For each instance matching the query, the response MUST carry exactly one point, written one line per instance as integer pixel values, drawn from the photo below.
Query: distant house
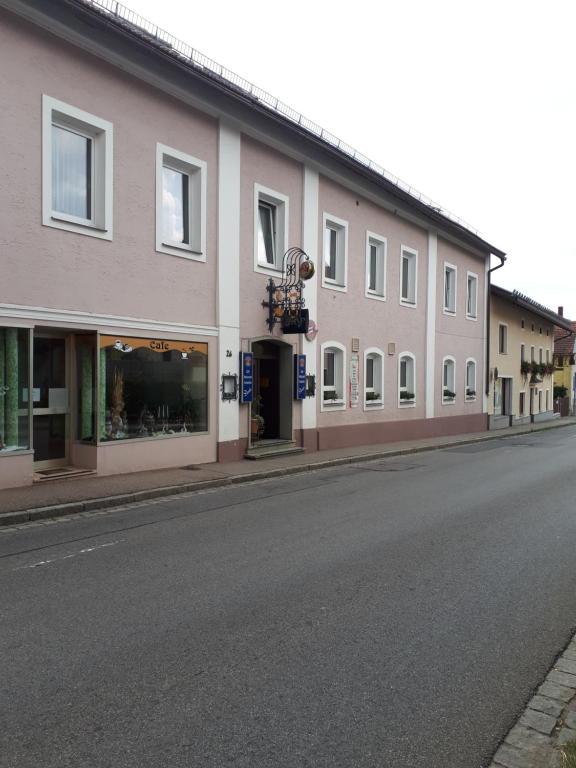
(521, 371)
(564, 360)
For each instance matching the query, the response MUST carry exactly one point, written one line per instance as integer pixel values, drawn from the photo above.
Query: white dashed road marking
(85, 551)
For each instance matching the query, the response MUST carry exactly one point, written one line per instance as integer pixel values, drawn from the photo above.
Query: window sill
(333, 405)
(79, 226)
(373, 404)
(267, 269)
(472, 317)
(181, 252)
(148, 438)
(450, 312)
(375, 295)
(470, 399)
(406, 403)
(333, 285)
(448, 401)
(408, 304)
(15, 452)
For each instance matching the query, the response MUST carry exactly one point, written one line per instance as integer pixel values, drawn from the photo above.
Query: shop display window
(152, 388)
(14, 389)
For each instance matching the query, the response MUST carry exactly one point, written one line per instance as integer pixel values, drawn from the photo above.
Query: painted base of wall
(545, 416)
(396, 431)
(16, 470)
(498, 422)
(517, 421)
(232, 450)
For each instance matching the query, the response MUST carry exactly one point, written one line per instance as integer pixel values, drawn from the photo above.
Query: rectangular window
(329, 377)
(14, 389)
(502, 339)
(375, 266)
(522, 405)
(471, 296)
(72, 169)
(449, 288)
(540, 356)
(335, 253)
(522, 353)
(408, 276)
(331, 253)
(270, 228)
(369, 373)
(152, 388)
(266, 233)
(406, 379)
(180, 204)
(548, 356)
(547, 399)
(86, 387)
(403, 373)
(76, 170)
(532, 354)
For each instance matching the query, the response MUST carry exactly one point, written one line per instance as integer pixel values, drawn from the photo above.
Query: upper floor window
(373, 378)
(76, 169)
(180, 204)
(472, 296)
(532, 354)
(449, 289)
(335, 253)
(522, 353)
(448, 380)
(502, 339)
(333, 367)
(270, 228)
(408, 276)
(406, 379)
(375, 266)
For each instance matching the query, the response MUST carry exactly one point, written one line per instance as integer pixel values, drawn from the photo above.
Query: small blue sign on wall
(299, 377)
(247, 368)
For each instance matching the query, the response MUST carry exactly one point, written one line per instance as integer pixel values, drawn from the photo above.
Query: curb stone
(19, 517)
(548, 722)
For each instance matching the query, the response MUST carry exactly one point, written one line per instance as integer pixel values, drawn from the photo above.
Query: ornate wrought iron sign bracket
(285, 303)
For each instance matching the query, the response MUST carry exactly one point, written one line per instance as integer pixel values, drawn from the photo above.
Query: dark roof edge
(435, 217)
(520, 300)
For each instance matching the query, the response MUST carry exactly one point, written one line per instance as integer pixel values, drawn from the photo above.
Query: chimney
(561, 311)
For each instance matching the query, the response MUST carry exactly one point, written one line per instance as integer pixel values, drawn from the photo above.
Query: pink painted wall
(376, 323)
(262, 165)
(456, 335)
(54, 268)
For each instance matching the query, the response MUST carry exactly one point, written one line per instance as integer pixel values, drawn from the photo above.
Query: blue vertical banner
(299, 377)
(247, 370)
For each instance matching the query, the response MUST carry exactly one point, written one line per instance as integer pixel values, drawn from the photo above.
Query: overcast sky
(471, 103)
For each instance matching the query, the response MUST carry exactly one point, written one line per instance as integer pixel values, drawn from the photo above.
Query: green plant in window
(372, 396)
(102, 396)
(330, 394)
(11, 388)
(449, 395)
(406, 395)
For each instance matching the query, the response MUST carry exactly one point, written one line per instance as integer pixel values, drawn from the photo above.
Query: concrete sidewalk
(62, 497)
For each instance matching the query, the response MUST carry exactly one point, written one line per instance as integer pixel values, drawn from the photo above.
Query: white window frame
(449, 400)
(197, 171)
(404, 249)
(474, 277)
(341, 226)
(540, 355)
(470, 398)
(505, 350)
(101, 132)
(522, 412)
(378, 379)
(282, 205)
(454, 269)
(339, 404)
(381, 243)
(407, 403)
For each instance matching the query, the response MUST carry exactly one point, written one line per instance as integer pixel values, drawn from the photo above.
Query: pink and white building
(147, 197)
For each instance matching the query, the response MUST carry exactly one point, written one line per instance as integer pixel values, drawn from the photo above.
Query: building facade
(565, 368)
(521, 374)
(147, 199)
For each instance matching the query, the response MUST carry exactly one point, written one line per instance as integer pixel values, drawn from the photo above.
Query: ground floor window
(522, 404)
(14, 388)
(152, 387)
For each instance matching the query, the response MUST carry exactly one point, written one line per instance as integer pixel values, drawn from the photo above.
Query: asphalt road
(396, 614)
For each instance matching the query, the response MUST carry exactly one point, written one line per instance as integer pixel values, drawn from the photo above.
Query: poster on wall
(246, 368)
(299, 377)
(354, 380)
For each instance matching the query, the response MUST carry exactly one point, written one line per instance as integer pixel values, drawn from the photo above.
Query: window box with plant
(407, 397)
(470, 394)
(448, 396)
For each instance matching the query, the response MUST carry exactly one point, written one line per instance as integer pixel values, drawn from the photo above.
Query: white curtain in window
(266, 234)
(71, 173)
(175, 206)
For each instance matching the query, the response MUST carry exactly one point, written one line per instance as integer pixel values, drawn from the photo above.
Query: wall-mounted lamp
(229, 386)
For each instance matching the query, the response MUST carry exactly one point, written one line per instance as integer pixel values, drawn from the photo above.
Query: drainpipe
(488, 303)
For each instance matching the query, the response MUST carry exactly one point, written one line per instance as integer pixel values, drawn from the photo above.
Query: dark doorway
(272, 406)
